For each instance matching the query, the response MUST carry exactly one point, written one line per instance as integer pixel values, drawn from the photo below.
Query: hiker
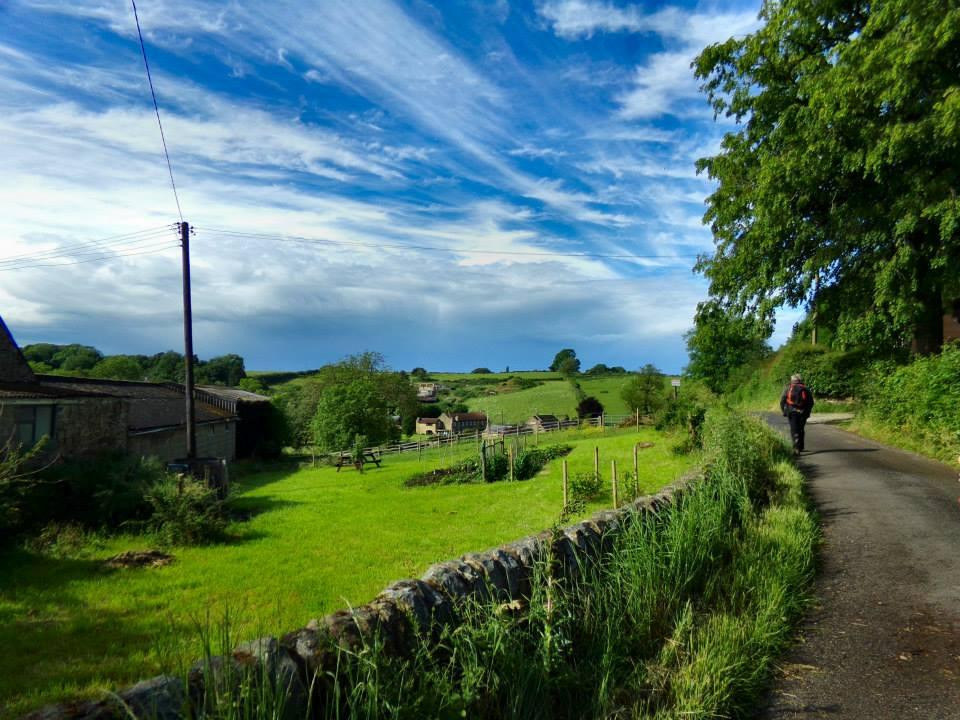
(796, 404)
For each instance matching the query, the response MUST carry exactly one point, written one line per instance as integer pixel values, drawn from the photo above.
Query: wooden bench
(346, 458)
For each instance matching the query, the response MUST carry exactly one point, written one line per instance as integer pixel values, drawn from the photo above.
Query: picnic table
(346, 458)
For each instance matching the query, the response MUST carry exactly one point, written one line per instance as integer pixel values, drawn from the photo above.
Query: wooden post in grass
(483, 462)
(602, 426)
(419, 451)
(566, 485)
(636, 470)
(613, 481)
(510, 462)
(536, 435)
(638, 419)
(596, 462)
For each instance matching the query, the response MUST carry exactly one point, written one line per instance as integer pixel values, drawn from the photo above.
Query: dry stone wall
(502, 574)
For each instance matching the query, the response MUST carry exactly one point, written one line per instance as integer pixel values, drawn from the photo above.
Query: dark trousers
(797, 421)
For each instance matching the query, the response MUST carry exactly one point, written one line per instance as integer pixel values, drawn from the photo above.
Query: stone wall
(503, 573)
(80, 428)
(213, 440)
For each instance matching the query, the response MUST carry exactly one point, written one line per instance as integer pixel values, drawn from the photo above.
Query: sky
(452, 184)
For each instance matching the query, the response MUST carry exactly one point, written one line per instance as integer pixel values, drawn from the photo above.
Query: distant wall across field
(503, 574)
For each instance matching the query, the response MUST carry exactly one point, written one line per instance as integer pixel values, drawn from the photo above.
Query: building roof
(545, 418)
(467, 416)
(38, 391)
(151, 405)
(428, 421)
(234, 394)
(14, 368)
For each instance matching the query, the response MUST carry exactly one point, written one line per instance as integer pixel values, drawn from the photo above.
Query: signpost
(676, 388)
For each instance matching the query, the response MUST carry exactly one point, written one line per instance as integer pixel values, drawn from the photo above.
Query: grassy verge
(306, 542)
(683, 619)
(944, 448)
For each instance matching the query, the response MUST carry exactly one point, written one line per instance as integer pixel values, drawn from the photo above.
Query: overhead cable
(149, 251)
(90, 246)
(156, 107)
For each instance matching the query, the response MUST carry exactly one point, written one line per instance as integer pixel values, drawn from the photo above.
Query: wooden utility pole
(188, 343)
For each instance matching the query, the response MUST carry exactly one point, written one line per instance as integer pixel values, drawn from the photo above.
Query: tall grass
(681, 619)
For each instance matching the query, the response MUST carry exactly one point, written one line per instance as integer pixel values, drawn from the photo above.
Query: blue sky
(346, 138)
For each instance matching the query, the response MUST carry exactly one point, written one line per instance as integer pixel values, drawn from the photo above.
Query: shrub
(585, 486)
(63, 540)
(922, 398)
(185, 512)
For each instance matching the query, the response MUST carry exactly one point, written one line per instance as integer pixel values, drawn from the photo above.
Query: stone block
(490, 566)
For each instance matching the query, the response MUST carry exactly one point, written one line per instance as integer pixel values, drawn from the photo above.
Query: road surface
(883, 637)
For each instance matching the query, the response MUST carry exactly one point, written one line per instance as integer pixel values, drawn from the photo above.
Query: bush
(185, 512)
(584, 487)
(922, 398)
(834, 374)
(63, 540)
(528, 463)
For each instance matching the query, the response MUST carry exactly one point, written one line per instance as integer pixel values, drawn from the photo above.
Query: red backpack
(798, 397)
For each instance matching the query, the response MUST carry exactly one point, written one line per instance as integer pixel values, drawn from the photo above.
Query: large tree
(645, 391)
(566, 362)
(723, 341)
(838, 188)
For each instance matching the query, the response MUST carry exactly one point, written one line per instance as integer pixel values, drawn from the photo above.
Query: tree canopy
(566, 362)
(723, 341)
(838, 189)
(645, 391)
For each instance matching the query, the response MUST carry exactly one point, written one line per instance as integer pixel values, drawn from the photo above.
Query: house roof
(151, 405)
(545, 418)
(234, 394)
(428, 421)
(38, 391)
(14, 367)
(469, 416)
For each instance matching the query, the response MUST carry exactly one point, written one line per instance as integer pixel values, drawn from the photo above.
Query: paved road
(883, 638)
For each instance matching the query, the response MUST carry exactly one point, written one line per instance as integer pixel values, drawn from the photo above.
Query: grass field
(554, 397)
(317, 540)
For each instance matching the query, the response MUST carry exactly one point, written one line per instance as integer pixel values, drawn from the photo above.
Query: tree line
(86, 361)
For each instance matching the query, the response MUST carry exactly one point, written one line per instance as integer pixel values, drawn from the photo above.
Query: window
(33, 422)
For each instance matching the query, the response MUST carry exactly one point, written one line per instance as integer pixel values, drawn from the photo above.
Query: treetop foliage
(566, 362)
(838, 189)
(85, 361)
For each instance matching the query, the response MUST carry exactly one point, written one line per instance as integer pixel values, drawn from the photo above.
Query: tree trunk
(928, 332)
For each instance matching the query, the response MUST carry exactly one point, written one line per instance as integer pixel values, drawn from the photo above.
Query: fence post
(510, 462)
(419, 451)
(483, 462)
(566, 502)
(636, 471)
(613, 482)
(638, 419)
(596, 462)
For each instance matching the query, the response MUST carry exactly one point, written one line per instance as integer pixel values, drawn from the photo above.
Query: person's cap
(796, 378)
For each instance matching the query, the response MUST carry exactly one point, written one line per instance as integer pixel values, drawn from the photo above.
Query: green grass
(318, 540)
(683, 619)
(554, 397)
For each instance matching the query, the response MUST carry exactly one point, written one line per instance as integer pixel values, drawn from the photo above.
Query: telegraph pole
(188, 344)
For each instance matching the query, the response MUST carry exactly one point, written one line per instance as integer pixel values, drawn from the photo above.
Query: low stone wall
(503, 574)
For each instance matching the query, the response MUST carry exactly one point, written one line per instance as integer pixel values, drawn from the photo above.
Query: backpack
(798, 397)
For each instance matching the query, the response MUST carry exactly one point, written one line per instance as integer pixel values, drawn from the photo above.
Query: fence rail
(495, 431)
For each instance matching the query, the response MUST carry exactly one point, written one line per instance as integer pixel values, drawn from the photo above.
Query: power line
(156, 108)
(165, 246)
(433, 248)
(91, 245)
(94, 252)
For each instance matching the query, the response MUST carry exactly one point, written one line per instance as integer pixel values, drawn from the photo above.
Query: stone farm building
(428, 426)
(540, 423)
(83, 417)
(457, 423)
